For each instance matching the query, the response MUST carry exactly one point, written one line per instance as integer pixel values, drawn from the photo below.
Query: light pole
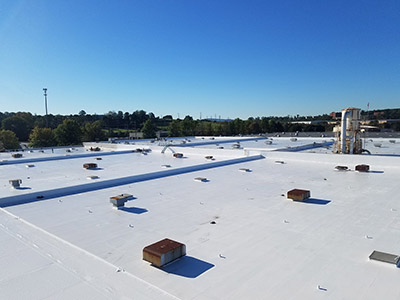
(45, 105)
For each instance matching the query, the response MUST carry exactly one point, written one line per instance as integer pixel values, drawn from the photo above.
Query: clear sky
(227, 58)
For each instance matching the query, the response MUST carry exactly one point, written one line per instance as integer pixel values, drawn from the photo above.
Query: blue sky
(227, 58)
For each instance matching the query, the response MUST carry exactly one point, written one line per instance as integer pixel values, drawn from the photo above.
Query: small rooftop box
(16, 155)
(15, 183)
(298, 195)
(90, 166)
(178, 155)
(163, 252)
(362, 168)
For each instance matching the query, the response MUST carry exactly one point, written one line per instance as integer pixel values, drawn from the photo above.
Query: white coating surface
(262, 245)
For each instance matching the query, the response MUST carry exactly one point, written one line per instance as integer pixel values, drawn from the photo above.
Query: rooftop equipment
(177, 155)
(30, 166)
(15, 183)
(119, 201)
(16, 155)
(385, 257)
(90, 166)
(348, 134)
(209, 157)
(298, 195)
(362, 168)
(342, 168)
(98, 158)
(200, 179)
(244, 170)
(94, 149)
(92, 177)
(163, 252)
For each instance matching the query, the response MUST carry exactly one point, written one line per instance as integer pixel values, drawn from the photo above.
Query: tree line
(61, 130)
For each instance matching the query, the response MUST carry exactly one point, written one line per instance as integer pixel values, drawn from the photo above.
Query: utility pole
(45, 105)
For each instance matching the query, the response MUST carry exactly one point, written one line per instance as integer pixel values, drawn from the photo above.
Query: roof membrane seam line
(304, 147)
(51, 158)
(86, 252)
(77, 189)
(35, 248)
(218, 142)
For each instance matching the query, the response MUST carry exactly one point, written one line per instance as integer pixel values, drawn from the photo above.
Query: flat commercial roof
(244, 239)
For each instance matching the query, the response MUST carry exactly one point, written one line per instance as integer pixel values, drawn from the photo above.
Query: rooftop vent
(209, 157)
(90, 166)
(200, 179)
(98, 158)
(342, 168)
(298, 195)
(94, 149)
(268, 142)
(244, 170)
(163, 252)
(92, 177)
(385, 257)
(293, 139)
(362, 168)
(15, 183)
(119, 201)
(392, 141)
(378, 145)
(177, 155)
(16, 155)
(166, 166)
(30, 166)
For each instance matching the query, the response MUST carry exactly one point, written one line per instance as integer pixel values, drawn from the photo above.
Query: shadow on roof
(188, 266)
(316, 201)
(134, 210)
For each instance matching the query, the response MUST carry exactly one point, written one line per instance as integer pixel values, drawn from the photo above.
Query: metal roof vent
(163, 252)
(92, 177)
(165, 166)
(244, 170)
(15, 183)
(385, 257)
(119, 201)
(342, 168)
(177, 155)
(16, 155)
(30, 166)
(201, 179)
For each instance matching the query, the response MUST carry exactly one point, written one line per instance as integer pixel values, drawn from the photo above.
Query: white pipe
(345, 114)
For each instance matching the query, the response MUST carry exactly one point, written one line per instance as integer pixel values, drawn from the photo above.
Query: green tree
(18, 125)
(68, 133)
(174, 128)
(93, 132)
(187, 126)
(149, 129)
(8, 139)
(42, 137)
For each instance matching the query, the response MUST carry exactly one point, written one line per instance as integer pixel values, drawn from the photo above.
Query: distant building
(336, 115)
